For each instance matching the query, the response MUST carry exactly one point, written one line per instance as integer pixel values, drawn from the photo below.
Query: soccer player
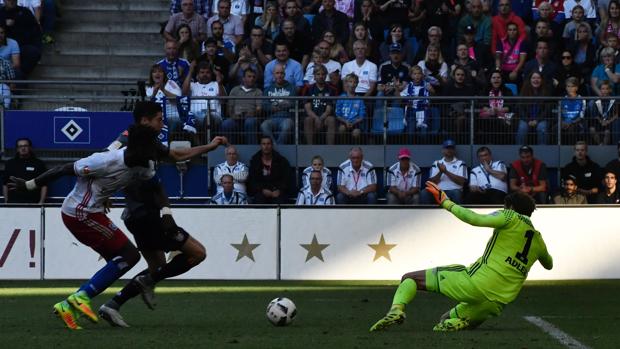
(484, 288)
(83, 212)
(148, 217)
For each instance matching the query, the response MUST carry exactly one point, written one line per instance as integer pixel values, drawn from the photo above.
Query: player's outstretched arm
(16, 183)
(545, 258)
(188, 153)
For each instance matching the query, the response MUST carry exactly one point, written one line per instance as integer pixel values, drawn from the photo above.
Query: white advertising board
(20, 243)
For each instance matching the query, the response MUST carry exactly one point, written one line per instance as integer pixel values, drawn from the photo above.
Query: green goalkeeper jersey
(510, 252)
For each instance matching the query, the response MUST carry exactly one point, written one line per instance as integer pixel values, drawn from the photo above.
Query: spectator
(495, 122)
(396, 36)
(444, 14)
(511, 54)
(365, 70)
(269, 175)
(187, 17)
(458, 110)
(394, 11)
(449, 173)
(568, 69)
(260, 46)
(572, 113)
(175, 68)
(164, 92)
(6, 73)
(394, 74)
(357, 180)
(330, 19)
(369, 15)
(361, 32)
(298, 45)
(200, 6)
(474, 74)
(269, 20)
(417, 18)
(543, 31)
(550, 11)
(233, 26)
(213, 59)
(243, 114)
(22, 26)
(583, 49)
(529, 175)
(314, 193)
(534, 115)
(278, 118)
(9, 49)
(246, 60)
(500, 24)
(403, 180)
(476, 51)
(231, 167)
(336, 50)
(189, 49)
(587, 173)
(569, 194)
(320, 55)
(351, 111)
(293, 12)
(208, 83)
(611, 22)
(228, 195)
(418, 113)
(317, 164)
(238, 8)
(577, 17)
(477, 20)
(319, 112)
(27, 166)
(434, 37)
(488, 182)
(434, 67)
(542, 64)
(603, 113)
(610, 196)
(293, 71)
(614, 165)
(586, 5)
(614, 43)
(607, 70)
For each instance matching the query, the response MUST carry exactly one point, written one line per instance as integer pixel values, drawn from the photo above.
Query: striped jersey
(236, 198)
(325, 172)
(404, 181)
(455, 166)
(307, 197)
(239, 171)
(356, 180)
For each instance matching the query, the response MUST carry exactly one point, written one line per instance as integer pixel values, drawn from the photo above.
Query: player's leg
(466, 316)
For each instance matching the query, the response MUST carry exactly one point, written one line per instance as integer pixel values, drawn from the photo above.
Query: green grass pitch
(231, 314)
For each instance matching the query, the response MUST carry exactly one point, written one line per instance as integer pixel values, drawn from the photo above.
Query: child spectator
(577, 17)
(417, 111)
(603, 113)
(572, 111)
(351, 111)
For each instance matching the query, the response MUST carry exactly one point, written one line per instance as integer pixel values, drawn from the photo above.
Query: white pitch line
(555, 332)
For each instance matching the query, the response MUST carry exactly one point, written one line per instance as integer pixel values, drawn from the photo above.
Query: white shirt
(455, 166)
(367, 74)
(236, 198)
(323, 198)
(404, 181)
(325, 172)
(99, 176)
(588, 9)
(170, 86)
(481, 178)
(239, 171)
(237, 7)
(443, 72)
(211, 89)
(359, 180)
(331, 67)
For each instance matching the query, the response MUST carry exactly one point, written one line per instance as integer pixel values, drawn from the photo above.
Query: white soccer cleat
(112, 316)
(147, 290)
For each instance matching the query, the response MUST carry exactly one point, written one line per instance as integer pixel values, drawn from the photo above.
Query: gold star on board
(314, 249)
(245, 249)
(382, 249)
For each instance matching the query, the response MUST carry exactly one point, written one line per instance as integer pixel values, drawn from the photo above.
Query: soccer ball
(281, 311)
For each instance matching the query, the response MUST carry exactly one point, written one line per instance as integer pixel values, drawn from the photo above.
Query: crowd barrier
(339, 243)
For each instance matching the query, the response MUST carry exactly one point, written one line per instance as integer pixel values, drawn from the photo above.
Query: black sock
(130, 290)
(177, 266)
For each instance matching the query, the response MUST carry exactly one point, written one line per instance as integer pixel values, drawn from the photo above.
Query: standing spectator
(569, 194)
(614, 165)
(583, 49)
(330, 19)
(314, 193)
(351, 111)
(269, 20)
(572, 113)
(208, 84)
(607, 70)
(403, 180)
(293, 71)
(231, 167)
(228, 195)
(27, 166)
(233, 26)
(500, 23)
(477, 20)
(365, 70)
(542, 64)
(586, 172)
(299, 45)
(243, 114)
(610, 195)
(269, 175)
(396, 36)
(278, 110)
(488, 182)
(511, 54)
(534, 115)
(188, 17)
(603, 113)
(317, 164)
(22, 26)
(189, 48)
(420, 116)
(357, 180)
(319, 112)
(175, 68)
(449, 173)
(529, 175)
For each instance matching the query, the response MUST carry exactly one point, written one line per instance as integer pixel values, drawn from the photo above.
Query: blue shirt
(175, 70)
(9, 49)
(292, 73)
(350, 109)
(599, 73)
(573, 109)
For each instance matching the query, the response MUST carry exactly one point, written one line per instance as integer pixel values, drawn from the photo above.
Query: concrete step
(118, 50)
(78, 15)
(110, 39)
(50, 72)
(118, 5)
(109, 27)
(99, 60)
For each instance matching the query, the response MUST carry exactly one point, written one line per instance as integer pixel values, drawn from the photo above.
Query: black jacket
(278, 178)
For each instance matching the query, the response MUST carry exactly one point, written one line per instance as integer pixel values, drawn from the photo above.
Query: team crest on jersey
(112, 226)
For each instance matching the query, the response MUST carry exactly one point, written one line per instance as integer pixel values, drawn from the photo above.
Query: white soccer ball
(281, 311)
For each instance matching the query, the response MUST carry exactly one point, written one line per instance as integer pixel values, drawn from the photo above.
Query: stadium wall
(350, 243)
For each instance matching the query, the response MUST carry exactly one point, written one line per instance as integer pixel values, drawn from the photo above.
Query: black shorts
(150, 235)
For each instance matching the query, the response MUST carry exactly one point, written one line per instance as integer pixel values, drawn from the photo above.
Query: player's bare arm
(50, 175)
(188, 153)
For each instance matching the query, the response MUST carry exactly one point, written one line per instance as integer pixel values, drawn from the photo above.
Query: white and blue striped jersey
(359, 180)
(325, 172)
(236, 198)
(239, 171)
(481, 178)
(411, 178)
(455, 166)
(323, 198)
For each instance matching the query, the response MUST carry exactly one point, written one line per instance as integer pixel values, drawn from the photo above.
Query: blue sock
(102, 279)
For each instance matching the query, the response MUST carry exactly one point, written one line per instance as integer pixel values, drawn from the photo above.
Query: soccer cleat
(451, 325)
(394, 316)
(66, 313)
(81, 302)
(112, 316)
(147, 290)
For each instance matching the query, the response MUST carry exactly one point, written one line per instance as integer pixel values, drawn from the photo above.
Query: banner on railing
(65, 129)
(20, 243)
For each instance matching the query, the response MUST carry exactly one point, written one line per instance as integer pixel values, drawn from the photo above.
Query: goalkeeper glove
(438, 194)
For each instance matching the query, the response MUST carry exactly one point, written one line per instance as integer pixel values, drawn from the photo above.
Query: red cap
(404, 153)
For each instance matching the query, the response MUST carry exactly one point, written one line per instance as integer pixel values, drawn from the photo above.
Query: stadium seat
(309, 17)
(513, 88)
(395, 120)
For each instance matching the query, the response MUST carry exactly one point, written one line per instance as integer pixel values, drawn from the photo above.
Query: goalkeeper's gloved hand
(439, 195)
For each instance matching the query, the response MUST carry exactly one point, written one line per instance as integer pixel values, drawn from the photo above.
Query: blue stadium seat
(309, 17)
(395, 120)
(513, 88)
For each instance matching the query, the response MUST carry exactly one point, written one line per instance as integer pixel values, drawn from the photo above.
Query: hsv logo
(72, 130)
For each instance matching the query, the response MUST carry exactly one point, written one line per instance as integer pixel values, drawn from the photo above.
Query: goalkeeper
(483, 289)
